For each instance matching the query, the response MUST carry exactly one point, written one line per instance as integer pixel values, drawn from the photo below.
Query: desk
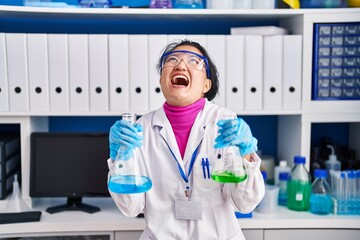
(110, 222)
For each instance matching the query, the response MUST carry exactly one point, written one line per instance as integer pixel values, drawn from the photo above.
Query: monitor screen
(71, 165)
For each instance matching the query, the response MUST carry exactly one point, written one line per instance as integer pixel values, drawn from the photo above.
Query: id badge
(188, 210)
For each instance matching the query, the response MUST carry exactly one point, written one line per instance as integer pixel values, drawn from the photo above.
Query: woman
(184, 202)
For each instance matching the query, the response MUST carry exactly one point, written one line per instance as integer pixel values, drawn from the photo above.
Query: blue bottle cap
(284, 176)
(299, 159)
(320, 173)
(351, 174)
(264, 174)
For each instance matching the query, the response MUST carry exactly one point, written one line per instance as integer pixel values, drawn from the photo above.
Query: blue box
(336, 61)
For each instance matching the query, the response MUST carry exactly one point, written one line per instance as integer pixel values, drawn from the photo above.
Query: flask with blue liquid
(126, 176)
(320, 198)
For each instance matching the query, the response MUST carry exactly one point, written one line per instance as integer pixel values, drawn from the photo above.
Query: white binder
(253, 72)
(59, 72)
(17, 71)
(38, 72)
(138, 60)
(156, 44)
(4, 89)
(175, 37)
(98, 72)
(273, 72)
(235, 72)
(119, 89)
(200, 38)
(216, 47)
(292, 69)
(79, 72)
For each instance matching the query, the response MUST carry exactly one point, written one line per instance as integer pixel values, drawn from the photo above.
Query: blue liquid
(282, 200)
(320, 204)
(128, 184)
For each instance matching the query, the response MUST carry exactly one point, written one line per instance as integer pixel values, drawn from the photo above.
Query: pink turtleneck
(182, 119)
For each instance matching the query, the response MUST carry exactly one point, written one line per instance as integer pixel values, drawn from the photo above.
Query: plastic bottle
(283, 179)
(126, 177)
(299, 186)
(268, 204)
(320, 198)
(332, 163)
(281, 168)
(15, 202)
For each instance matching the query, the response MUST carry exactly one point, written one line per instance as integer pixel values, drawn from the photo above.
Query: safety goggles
(192, 60)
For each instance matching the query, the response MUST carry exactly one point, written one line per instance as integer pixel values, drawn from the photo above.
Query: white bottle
(332, 163)
(281, 168)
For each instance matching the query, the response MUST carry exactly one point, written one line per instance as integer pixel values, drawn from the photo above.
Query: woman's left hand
(236, 132)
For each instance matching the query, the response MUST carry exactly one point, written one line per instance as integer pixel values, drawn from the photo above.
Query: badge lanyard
(183, 175)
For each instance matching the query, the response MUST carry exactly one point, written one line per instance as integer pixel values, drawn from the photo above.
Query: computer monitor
(71, 165)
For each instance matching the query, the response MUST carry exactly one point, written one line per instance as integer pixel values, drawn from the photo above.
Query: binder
(119, 89)
(201, 39)
(98, 72)
(17, 71)
(253, 72)
(216, 48)
(138, 74)
(235, 72)
(38, 72)
(156, 44)
(59, 72)
(292, 72)
(175, 37)
(4, 89)
(273, 72)
(79, 72)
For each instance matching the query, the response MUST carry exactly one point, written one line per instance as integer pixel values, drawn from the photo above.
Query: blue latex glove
(123, 138)
(236, 132)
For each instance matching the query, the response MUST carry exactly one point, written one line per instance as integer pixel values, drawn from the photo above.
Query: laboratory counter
(110, 220)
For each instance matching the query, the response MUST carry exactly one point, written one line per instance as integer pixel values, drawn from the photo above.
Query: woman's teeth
(180, 80)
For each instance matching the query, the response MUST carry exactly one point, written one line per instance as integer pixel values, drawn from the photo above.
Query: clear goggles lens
(191, 59)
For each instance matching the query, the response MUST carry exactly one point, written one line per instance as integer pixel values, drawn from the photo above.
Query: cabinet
(293, 127)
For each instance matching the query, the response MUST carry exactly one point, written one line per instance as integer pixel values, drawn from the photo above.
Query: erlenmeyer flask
(229, 167)
(126, 177)
(188, 4)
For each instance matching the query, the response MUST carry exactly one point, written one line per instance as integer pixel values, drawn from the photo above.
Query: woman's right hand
(123, 138)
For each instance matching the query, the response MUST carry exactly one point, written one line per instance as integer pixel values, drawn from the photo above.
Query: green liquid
(298, 195)
(227, 177)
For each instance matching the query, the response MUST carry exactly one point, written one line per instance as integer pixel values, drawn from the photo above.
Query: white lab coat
(219, 201)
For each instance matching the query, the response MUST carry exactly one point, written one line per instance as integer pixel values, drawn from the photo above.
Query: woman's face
(183, 85)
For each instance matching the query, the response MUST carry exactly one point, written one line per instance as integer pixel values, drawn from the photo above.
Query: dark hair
(213, 76)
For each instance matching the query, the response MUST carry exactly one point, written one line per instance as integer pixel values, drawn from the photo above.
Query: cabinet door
(253, 234)
(318, 234)
(127, 235)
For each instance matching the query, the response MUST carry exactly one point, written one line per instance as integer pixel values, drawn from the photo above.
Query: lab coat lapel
(168, 135)
(196, 135)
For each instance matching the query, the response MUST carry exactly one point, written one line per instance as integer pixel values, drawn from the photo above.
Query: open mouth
(180, 80)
